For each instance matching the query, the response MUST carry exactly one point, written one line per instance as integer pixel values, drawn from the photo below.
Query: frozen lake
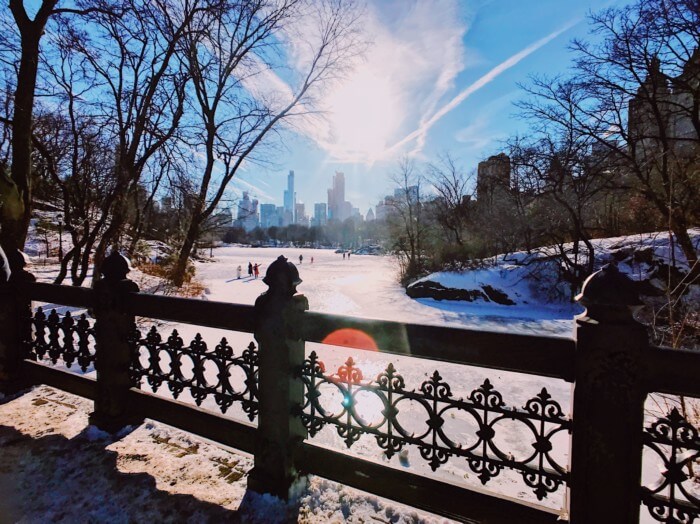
(366, 286)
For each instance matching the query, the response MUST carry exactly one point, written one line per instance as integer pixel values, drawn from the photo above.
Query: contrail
(478, 84)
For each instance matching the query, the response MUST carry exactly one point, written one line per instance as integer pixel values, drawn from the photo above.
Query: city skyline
(252, 213)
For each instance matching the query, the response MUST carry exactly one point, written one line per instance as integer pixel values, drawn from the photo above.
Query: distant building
(289, 201)
(383, 208)
(370, 215)
(300, 214)
(320, 218)
(676, 98)
(492, 179)
(409, 194)
(269, 216)
(284, 217)
(338, 208)
(220, 220)
(247, 217)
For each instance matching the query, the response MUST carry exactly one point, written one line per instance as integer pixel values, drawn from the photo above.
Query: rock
(435, 290)
(498, 296)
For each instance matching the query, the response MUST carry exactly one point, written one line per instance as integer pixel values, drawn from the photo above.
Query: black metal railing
(200, 370)
(292, 396)
(61, 338)
(484, 407)
(676, 444)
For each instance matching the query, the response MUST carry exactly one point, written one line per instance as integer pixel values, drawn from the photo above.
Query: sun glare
(364, 114)
(351, 338)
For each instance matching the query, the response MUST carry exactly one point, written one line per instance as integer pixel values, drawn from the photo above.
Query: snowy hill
(523, 280)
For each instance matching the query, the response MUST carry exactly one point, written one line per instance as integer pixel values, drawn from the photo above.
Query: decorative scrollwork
(61, 338)
(348, 373)
(541, 417)
(189, 368)
(677, 442)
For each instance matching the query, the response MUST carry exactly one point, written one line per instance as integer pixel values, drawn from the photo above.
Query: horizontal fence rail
(223, 315)
(293, 397)
(673, 371)
(544, 356)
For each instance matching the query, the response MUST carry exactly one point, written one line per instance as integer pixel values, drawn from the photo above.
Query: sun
(363, 114)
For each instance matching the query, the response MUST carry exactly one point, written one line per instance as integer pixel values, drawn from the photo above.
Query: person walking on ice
(301, 258)
(250, 270)
(239, 270)
(256, 270)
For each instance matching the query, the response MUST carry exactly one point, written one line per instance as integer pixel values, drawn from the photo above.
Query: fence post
(113, 327)
(608, 402)
(281, 352)
(15, 312)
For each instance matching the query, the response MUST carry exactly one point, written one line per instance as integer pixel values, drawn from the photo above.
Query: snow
(367, 286)
(57, 468)
(531, 280)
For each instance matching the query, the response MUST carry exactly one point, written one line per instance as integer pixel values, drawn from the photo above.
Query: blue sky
(439, 76)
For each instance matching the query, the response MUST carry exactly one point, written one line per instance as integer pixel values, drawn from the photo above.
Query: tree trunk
(16, 223)
(63, 271)
(180, 267)
(686, 245)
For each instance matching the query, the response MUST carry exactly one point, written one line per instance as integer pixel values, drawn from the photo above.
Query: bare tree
(139, 90)
(452, 206)
(72, 156)
(407, 220)
(570, 176)
(230, 62)
(636, 93)
(17, 197)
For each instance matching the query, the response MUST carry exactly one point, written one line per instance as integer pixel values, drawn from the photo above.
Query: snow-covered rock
(527, 279)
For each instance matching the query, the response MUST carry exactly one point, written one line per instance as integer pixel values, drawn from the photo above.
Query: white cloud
(420, 134)
(415, 55)
(416, 52)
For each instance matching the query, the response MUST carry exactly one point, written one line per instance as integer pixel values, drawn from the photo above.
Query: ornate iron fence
(61, 338)
(188, 365)
(285, 390)
(676, 443)
(541, 415)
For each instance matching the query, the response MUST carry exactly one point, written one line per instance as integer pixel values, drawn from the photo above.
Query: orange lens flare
(351, 338)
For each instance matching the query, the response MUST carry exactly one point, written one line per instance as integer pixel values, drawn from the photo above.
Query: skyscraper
(269, 216)
(300, 214)
(247, 217)
(289, 200)
(320, 214)
(338, 208)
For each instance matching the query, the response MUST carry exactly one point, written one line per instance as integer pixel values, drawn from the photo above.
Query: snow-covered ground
(366, 286)
(533, 282)
(55, 468)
